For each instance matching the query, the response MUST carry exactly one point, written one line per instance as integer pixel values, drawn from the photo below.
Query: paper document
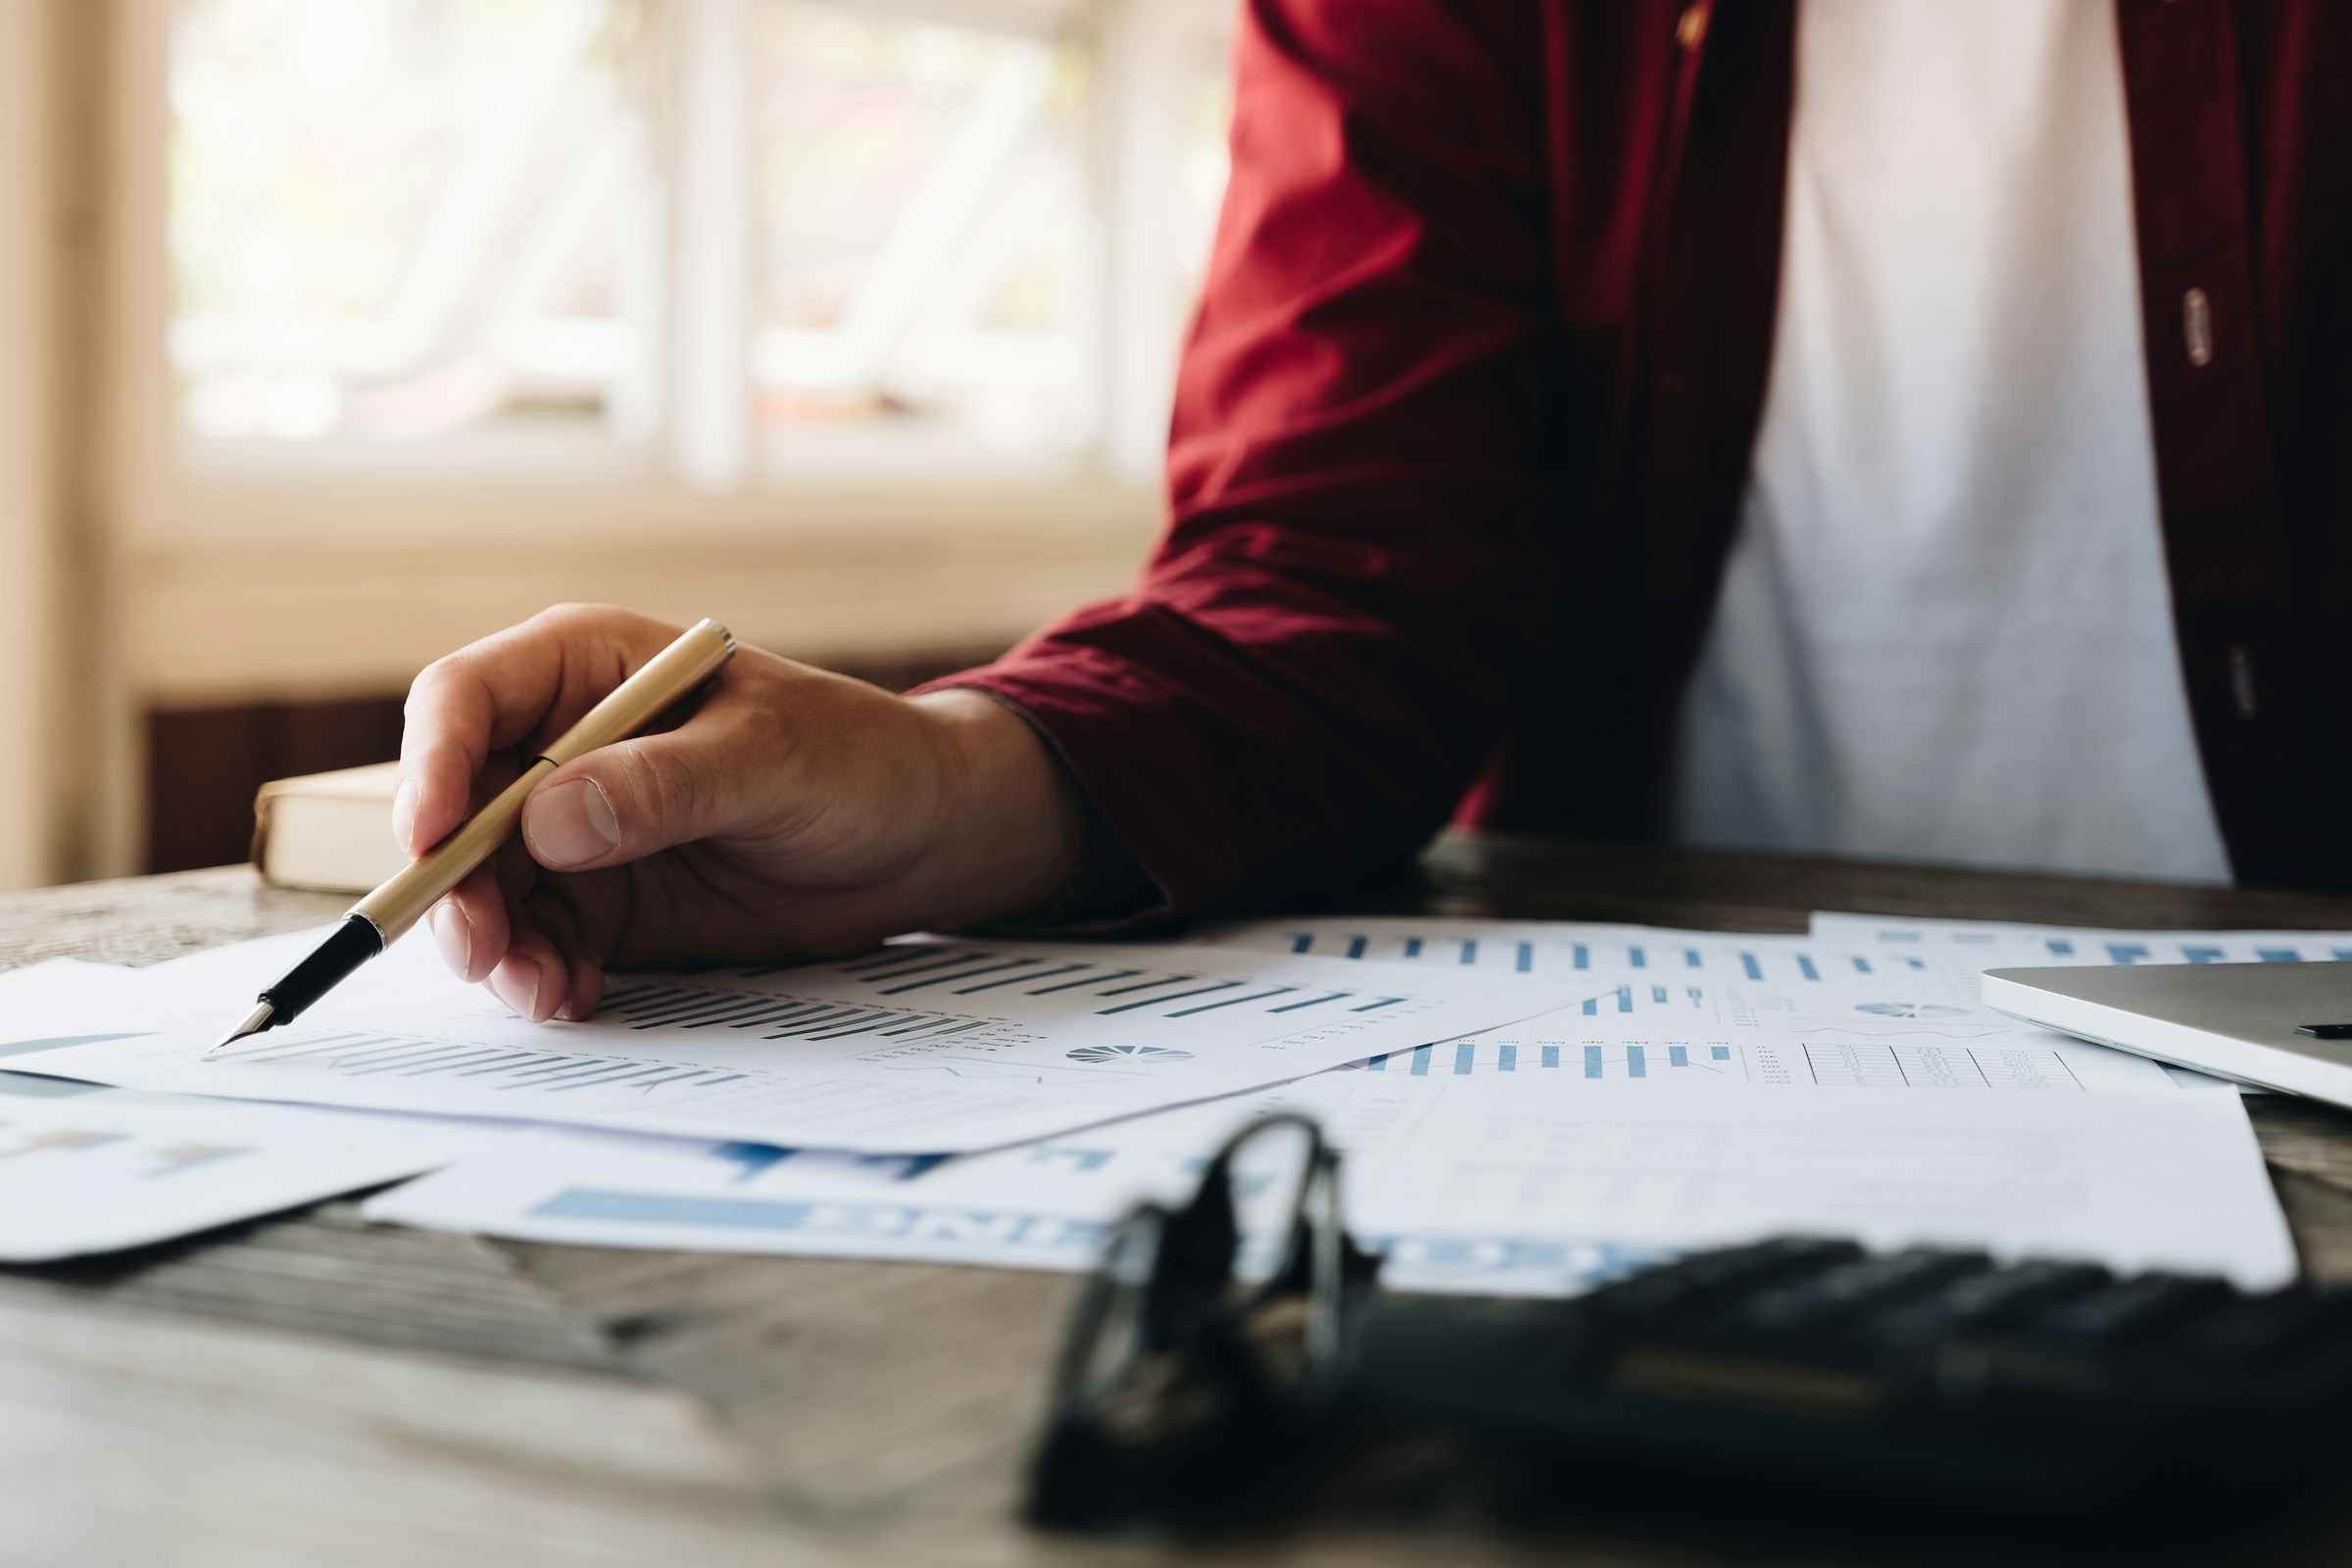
(1976, 945)
(1577, 951)
(1705, 1010)
(82, 1174)
(914, 1048)
(1992, 945)
(1463, 1184)
(86, 1170)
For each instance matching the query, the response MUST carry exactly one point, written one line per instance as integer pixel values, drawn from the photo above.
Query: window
(719, 244)
(393, 221)
(852, 323)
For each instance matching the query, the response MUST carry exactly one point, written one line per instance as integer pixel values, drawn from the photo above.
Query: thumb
(621, 803)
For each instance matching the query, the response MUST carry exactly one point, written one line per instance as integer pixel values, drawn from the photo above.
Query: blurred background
(335, 334)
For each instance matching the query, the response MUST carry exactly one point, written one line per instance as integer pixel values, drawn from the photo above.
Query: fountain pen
(384, 917)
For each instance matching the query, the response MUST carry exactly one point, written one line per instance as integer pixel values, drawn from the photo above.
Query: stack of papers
(1525, 1108)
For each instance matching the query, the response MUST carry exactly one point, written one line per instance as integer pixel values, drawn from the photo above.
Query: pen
(384, 917)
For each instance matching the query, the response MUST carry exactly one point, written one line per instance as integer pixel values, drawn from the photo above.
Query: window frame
(180, 502)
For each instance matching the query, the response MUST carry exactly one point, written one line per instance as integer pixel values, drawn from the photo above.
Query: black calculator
(2044, 1383)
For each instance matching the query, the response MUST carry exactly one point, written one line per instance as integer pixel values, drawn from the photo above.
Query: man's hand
(790, 813)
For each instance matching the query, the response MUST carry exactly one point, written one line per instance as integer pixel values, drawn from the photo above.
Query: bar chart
(1465, 1059)
(359, 1053)
(914, 1048)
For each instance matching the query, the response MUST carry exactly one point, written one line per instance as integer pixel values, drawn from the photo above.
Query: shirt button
(2196, 326)
(2241, 682)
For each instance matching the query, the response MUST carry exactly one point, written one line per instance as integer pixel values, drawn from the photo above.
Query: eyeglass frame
(1178, 1267)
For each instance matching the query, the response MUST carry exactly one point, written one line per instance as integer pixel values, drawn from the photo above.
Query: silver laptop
(2285, 1026)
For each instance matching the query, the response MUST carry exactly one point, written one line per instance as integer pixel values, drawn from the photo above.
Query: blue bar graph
(1356, 946)
(2061, 947)
(1526, 957)
(1754, 970)
(1861, 964)
(1583, 955)
(2277, 955)
(1420, 1061)
(1804, 966)
(2125, 952)
(1640, 959)
(1551, 1055)
(1470, 950)
(1720, 1053)
(1591, 1061)
(1678, 1056)
(1636, 1062)
(1461, 1059)
(1506, 1059)
(1413, 946)
(2201, 955)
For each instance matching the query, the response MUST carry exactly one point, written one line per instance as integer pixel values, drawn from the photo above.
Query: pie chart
(1911, 1010)
(1140, 1055)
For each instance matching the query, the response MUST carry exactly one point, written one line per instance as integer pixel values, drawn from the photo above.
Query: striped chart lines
(946, 976)
(1463, 1058)
(357, 1054)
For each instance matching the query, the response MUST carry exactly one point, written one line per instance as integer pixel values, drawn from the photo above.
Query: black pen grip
(355, 942)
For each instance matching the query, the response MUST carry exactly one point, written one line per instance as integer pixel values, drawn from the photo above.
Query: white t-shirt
(1946, 630)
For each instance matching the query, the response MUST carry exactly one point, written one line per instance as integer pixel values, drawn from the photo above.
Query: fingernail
(403, 812)
(454, 931)
(572, 824)
(517, 983)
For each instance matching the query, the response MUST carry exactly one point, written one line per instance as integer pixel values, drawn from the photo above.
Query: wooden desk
(313, 1389)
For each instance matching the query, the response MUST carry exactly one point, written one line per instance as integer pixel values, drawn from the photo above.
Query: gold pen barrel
(628, 707)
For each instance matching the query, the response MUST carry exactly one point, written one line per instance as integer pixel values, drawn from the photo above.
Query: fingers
(550, 970)
(533, 978)
(630, 800)
(499, 692)
(469, 926)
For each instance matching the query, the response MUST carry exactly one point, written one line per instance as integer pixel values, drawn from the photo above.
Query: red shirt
(1465, 419)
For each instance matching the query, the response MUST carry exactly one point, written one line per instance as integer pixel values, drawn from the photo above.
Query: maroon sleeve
(1360, 574)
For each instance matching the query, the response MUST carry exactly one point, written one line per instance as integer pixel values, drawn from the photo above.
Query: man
(1887, 426)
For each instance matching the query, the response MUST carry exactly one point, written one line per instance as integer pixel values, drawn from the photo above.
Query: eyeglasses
(1205, 1351)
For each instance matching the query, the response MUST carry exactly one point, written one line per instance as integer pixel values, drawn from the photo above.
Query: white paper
(1464, 1185)
(87, 1169)
(94, 1174)
(1976, 945)
(1578, 951)
(917, 1048)
(1990, 943)
(1707, 1010)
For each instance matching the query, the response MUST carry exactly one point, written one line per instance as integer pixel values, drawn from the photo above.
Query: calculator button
(1680, 1286)
(2131, 1308)
(1860, 1286)
(1995, 1295)
(2268, 1329)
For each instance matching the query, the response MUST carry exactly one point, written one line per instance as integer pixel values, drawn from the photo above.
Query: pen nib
(255, 1022)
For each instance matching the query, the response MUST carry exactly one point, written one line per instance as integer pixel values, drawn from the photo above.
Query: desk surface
(313, 1389)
